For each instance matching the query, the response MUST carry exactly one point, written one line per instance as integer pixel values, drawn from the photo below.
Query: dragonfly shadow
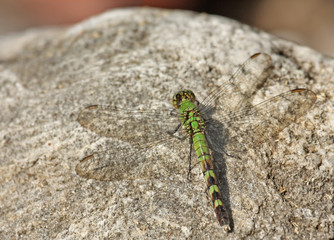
(217, 136)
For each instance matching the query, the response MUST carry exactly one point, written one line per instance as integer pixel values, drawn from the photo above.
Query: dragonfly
(221, 123)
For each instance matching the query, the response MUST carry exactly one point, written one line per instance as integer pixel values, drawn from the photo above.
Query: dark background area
(308, 22)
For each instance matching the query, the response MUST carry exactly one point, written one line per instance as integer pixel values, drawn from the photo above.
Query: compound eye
(183, 95)
(190, 95)
(177, 100)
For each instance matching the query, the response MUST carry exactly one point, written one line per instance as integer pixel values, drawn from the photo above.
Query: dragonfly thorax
(184, 95)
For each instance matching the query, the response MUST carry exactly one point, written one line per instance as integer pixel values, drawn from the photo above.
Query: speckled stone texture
(139, 58)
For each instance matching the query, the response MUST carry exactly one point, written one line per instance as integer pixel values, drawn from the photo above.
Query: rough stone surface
(141, 57)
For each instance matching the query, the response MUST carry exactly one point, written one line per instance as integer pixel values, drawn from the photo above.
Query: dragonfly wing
(235, 92)
(217, 135)
(257, 124)
(131, 162)
(136, 126)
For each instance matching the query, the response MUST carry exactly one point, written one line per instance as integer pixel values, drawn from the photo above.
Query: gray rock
(139, 58)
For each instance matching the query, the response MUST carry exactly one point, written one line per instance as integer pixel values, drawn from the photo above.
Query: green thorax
(190, 116)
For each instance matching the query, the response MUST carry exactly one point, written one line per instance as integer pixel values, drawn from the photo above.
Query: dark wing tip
(83, 112)
(306, 92)
(80, 169)
(298, 90)
(255, 55)
(86, 158)
(91, 106)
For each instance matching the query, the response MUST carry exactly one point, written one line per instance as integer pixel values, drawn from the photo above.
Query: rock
(139, 58)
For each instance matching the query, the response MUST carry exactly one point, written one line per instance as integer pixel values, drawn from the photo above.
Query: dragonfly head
(181, 96)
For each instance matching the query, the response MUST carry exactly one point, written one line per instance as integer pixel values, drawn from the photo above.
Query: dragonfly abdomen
(205, 159)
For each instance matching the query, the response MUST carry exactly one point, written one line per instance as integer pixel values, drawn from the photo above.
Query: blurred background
(308, 22)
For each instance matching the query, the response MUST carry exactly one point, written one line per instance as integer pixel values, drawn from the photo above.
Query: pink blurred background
(309, 22)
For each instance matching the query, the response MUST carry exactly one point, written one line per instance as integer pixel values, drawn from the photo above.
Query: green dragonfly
(221, 123)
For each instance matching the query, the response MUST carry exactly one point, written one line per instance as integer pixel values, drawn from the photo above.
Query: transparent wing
(134, 126)
(235, 93)
(255, 124)
(132, 162)
(146, 131)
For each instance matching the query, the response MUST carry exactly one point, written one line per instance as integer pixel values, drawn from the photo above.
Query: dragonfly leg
(189, 161)
(175, 130)
(171, 133)
(190, 167)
